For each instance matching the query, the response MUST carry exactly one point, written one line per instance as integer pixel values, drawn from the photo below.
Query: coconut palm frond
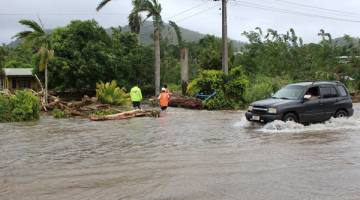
(177, 32)
(135, 22)
(33, 25)
(102, 4)
(22, 35)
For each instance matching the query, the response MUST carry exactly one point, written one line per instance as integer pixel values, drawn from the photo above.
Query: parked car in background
(305, 102)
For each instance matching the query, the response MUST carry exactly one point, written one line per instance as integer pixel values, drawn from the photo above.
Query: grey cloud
(59, 13)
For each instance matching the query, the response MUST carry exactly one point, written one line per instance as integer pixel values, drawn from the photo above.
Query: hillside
(147, 30)
(342, 42)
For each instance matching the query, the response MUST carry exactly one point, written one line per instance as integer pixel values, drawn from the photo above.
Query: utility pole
(225, 53)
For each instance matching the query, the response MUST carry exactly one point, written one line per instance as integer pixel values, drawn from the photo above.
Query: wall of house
(16, 83)
(3, 82)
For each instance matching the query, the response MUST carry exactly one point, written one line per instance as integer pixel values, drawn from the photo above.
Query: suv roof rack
(307, 81)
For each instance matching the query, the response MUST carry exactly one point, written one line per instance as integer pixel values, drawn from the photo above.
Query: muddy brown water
(184, 154)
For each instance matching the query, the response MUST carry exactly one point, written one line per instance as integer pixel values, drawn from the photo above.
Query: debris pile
(186, 102)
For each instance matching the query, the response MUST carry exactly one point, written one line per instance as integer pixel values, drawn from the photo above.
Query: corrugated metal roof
(18, 71)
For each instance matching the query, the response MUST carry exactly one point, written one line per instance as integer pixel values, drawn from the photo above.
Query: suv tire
(290, 117)
(340, 114)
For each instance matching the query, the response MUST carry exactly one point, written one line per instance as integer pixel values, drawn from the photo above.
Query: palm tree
(153, 10)
(183, 57)
(135, 20)
(38, 38)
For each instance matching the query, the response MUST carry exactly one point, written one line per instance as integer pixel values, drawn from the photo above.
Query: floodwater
(185, 154)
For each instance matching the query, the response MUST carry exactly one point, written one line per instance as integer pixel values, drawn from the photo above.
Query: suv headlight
(250, 108)
(272, 110)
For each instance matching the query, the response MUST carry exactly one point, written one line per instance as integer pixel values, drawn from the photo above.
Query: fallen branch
(127, 115)
(42, 97)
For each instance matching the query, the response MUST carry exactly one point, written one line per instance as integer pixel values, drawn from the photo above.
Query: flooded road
(184, 154)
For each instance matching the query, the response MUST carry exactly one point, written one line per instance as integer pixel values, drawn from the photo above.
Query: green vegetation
(57, 113)
(229, 89)
(153, 9)
(37, 38)
(270, 61)
(87, 54)
(5, 109)
(105, 112)
(110, 93)
(23, 106)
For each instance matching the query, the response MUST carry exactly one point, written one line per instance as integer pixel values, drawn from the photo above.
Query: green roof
(18, 71)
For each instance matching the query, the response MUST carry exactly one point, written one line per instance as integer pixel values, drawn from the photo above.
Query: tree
(86, 54)
(183, 57)
(153, 10)
(20, 56)
(3, 55)
(135, 20)
(40, 40)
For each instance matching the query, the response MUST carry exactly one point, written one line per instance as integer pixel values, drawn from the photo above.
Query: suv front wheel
(290, 117)
(341, 114)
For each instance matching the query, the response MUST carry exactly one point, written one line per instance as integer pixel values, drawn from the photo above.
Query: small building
(18, 78)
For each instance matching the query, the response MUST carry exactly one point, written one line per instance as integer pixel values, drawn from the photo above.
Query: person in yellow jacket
(164, 98)
(136, 96)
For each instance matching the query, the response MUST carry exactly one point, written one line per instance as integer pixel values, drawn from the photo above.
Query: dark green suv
(304, 102)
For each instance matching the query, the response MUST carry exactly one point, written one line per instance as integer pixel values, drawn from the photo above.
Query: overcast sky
(336, 17)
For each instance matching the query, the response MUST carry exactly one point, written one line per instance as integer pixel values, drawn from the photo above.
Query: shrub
(25, 106)
(174, 88)
(110, 93)
(262, 87)
(5, 109)
(219, 101)
(207, 82)
(229, 88)
(57, 113)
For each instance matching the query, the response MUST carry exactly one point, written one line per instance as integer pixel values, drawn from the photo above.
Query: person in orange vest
(164, 98)
(167, 90)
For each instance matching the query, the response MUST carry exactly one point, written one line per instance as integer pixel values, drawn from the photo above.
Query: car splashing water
(185, 154)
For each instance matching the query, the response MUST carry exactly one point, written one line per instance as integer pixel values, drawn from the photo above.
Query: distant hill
(147, 30)
(168, 32)
(14, 43)
(342, 42)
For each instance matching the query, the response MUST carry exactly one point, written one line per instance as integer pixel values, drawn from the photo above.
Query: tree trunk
(157, 59)
(127, 115)
(225, 64)
(46, 85)
(184, 62)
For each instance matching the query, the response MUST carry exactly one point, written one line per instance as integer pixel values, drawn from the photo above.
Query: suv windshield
(292, 92)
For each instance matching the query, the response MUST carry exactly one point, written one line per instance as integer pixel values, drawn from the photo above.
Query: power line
(285, 11)
(197, 13)
(187, 10)
(184, 11)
